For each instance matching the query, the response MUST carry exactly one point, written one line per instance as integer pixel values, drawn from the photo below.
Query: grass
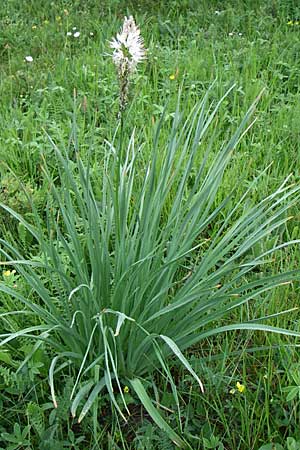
(252, 44)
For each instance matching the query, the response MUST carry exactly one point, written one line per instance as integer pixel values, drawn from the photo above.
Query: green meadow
(149, 260)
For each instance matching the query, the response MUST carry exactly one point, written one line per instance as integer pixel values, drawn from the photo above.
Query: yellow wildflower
(173, 76)
(34, 27)
(8, 273)
(290, 22)
(126, 389)
(240, 387)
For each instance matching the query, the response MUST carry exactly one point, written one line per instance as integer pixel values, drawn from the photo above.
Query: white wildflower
(69, 33)
(77, 34)
(28, 59)
(128, 47)
(128, 51)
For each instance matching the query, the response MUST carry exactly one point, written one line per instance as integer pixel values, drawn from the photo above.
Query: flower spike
(128, 51)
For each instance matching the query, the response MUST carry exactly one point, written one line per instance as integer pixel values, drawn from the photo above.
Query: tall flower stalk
(128, 51)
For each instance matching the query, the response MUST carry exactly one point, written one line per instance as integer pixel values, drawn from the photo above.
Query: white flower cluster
(128, 47)
(128, 51)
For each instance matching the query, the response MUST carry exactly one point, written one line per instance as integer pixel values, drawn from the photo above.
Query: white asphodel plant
(128, 51)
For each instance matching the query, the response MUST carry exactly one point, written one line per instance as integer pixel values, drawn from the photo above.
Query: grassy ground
(254, 44)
